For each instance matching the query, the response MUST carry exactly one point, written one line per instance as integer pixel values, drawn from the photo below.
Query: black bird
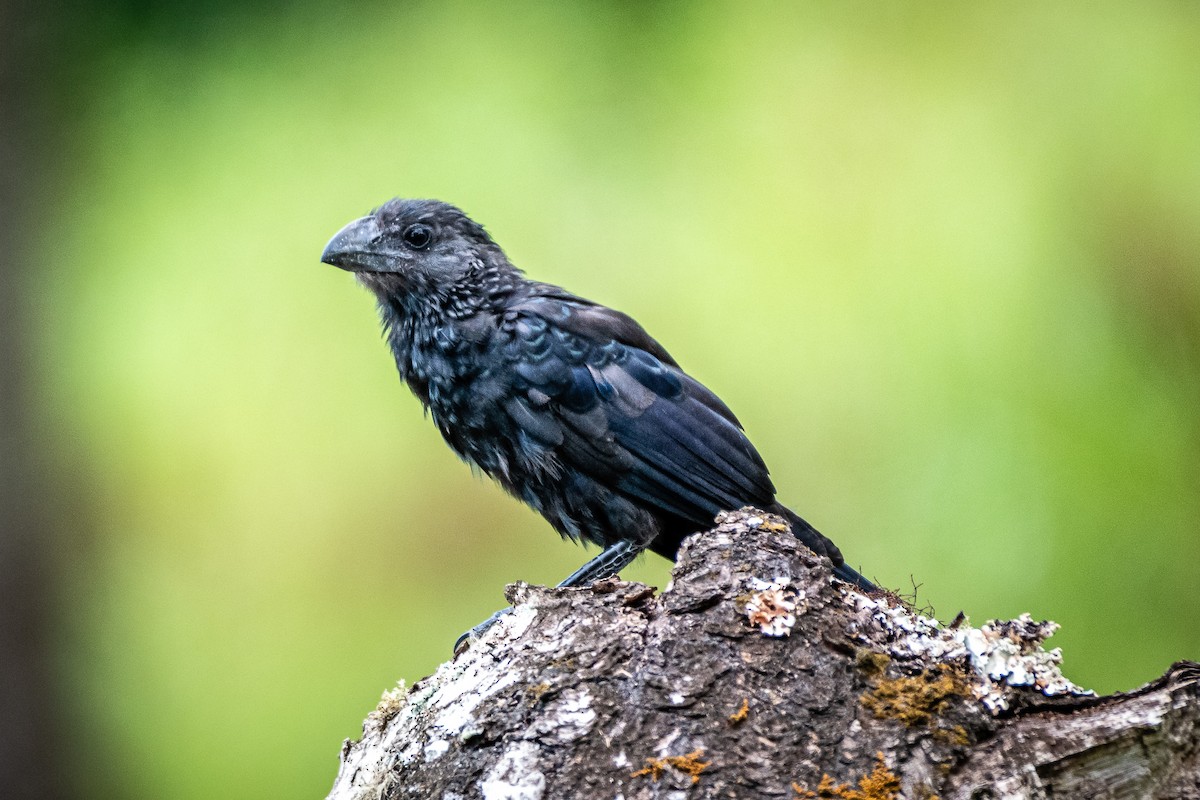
(569, 405)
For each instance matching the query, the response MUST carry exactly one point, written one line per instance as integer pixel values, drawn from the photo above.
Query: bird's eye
(418, 236)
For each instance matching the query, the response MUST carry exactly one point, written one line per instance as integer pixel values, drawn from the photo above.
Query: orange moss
(739, 716)
(688, 765)
(870, 662)
(880, 784)
(917, 699)
(955, 737)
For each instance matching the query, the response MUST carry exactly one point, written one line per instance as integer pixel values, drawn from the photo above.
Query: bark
(755, 675)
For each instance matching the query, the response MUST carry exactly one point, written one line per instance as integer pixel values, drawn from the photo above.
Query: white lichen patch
(771, 606)
(1011, 651)
(457, 697)
(436, 749)
(1001, 654)
(568, 717)
(738, 523)
(424, 723)
(516, 775)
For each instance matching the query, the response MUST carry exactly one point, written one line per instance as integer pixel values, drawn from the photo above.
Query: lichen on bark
(752, 673)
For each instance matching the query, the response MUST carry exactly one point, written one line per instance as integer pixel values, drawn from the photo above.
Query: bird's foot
(473, 635)
(606, 564)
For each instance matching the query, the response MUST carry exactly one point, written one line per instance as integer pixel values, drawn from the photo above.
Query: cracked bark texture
(754, 674)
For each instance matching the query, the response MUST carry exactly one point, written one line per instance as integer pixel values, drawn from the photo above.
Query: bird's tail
(852, 576)
(818, 543)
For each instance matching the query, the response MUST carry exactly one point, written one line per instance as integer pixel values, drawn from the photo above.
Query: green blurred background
(943, 260)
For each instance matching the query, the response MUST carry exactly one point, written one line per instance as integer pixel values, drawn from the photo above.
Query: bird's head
(413, 246)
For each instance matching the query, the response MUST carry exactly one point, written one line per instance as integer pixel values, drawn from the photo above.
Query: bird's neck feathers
(484, 286)
(420, 320)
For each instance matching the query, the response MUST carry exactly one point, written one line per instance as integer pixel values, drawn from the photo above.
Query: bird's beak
(353, 248)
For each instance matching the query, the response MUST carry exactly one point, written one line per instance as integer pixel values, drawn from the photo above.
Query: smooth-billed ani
(569, 405)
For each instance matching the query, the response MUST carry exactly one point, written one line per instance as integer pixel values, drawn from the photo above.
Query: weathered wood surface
(755, 675)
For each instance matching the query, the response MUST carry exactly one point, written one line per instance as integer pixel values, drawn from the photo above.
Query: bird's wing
(593, 321)
(609, 401)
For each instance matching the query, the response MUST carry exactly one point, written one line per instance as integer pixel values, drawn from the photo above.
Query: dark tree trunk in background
(30, 750)
(755, 676)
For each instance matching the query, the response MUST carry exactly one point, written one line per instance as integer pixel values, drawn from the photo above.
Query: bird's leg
(608, 562)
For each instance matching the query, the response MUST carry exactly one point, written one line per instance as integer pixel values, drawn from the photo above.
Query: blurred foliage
(942, 259)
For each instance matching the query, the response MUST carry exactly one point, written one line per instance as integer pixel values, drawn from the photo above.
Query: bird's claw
(478, 631)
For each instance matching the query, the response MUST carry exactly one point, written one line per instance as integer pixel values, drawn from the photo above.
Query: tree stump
(756, 675)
